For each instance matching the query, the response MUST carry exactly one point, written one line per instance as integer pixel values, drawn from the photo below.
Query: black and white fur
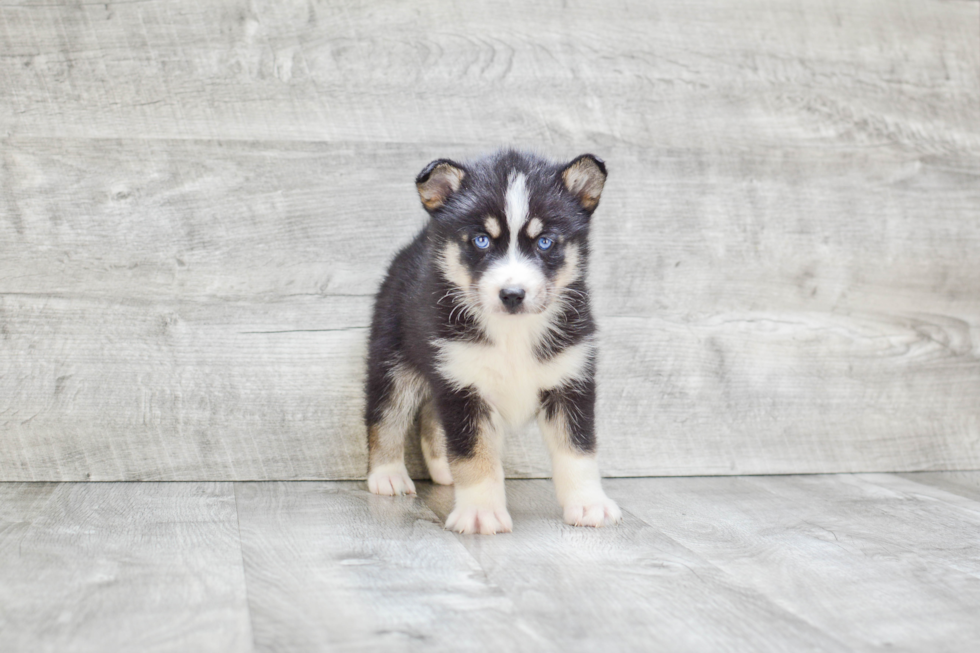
(478, 328)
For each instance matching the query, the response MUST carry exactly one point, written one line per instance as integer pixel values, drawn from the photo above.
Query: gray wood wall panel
(197, 201)
(653, 74)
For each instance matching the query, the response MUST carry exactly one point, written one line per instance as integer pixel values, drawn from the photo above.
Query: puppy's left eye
(481, 242)
(545, 243)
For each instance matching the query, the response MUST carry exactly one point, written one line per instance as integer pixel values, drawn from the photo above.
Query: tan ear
(438, 181)
(584, 178)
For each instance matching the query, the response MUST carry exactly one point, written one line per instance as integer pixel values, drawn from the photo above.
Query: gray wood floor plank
(870, 559)
(862, 562)
(330, 566)
(965, 484)
(121, 567)
(628, 588)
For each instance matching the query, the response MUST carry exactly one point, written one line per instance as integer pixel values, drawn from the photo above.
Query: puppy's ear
(438, 181)
(584, 178)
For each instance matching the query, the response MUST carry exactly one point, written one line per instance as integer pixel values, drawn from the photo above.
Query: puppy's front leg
(567, 422)
(473, 439)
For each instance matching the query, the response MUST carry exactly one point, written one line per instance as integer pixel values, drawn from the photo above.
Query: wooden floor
(767, 563)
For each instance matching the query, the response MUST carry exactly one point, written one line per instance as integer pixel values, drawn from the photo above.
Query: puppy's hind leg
(393, 400)
(434, 445)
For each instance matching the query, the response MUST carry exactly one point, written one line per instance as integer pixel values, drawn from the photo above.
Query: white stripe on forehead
(516, 206)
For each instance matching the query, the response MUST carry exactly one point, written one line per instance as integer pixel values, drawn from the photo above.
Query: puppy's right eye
(482, 242)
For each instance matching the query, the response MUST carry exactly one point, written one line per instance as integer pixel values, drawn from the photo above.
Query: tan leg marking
(434, 445)
(386, 439)
(576, 476)
(481, 502)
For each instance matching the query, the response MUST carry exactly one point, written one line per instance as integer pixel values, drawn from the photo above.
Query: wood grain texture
(227, 342)
(631, 587)
(197, 201)
(824, 563)
(121, 567)
(873, 559)
(966, 484)
(656, 75)
(331, 566)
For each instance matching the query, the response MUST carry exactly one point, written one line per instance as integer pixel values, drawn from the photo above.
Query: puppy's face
(512, 228)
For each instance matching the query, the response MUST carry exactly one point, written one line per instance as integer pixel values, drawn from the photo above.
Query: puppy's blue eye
(545, 243)
(481, 242)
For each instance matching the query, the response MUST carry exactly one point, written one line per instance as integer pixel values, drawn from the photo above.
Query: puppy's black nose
(512, 298)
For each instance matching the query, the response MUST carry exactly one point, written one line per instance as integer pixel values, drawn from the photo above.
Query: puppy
(482, 323)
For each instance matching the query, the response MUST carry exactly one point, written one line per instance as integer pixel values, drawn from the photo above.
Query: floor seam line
(731, 580)
(241, 553)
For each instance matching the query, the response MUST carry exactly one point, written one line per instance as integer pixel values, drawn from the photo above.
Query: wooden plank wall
(197, 200)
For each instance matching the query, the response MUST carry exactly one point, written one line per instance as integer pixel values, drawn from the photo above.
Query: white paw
(391, 480)
(481, 508)
(485, 521)
(596, 512)
(439, 471)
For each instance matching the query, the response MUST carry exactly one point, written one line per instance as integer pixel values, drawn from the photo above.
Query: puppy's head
(512, 229)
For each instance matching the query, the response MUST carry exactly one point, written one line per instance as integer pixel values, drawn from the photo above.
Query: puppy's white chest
(507, 374)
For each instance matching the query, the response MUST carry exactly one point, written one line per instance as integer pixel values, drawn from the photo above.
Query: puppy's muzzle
(512, 298)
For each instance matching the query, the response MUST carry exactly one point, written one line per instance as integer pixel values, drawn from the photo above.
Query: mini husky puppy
(482, 323)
